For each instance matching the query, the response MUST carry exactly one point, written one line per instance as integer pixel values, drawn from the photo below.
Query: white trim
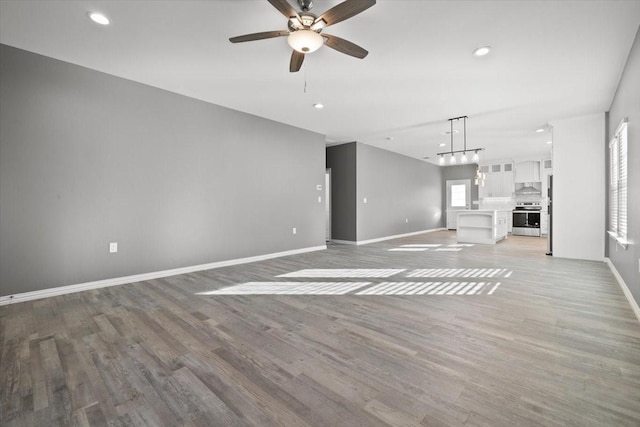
(625, 289)
(44, 293)
(380, 239)
(344, 242)
(622, 242)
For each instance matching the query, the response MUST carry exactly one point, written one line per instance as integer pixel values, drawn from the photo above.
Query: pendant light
(463, 159)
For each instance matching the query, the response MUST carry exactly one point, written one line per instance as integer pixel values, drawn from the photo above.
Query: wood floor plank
(543, 342)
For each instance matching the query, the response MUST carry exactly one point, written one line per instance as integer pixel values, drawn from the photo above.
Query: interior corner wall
(579, 187)
(404, 195)
(626, 104)
(87, 158)
(341, 159)
(460, 172)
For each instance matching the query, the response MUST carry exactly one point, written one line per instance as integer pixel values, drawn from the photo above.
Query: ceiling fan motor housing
(305, 5)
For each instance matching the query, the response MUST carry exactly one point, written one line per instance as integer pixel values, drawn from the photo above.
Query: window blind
(622, 182)
(618, 183)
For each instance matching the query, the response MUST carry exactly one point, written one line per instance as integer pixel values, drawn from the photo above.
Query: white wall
(579, 187)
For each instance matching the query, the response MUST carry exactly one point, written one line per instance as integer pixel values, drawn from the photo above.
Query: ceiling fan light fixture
(295, 24)
(305, 41)
(318, 25)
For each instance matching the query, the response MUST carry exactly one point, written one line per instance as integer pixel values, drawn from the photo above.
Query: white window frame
(618, 185)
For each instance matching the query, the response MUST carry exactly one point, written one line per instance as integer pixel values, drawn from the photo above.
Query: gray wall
(397, 188)
(342, 161)
(87, 159)
(460, 172)
(626, 103)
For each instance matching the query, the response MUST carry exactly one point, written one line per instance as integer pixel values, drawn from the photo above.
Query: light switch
(319, 199)
(113, 247)
(294, 230)
(364, 200)
(319, 187)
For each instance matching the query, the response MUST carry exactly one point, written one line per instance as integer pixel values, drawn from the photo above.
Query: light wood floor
(543, 342)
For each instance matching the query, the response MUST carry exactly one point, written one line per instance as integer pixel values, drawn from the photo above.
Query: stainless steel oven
(526, 220)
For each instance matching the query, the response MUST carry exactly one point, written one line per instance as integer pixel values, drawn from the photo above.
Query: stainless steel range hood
(528, 190)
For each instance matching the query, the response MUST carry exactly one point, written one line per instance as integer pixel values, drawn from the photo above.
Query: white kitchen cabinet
(482, 226)
(528, 171)
(498, 180)
(507, 184)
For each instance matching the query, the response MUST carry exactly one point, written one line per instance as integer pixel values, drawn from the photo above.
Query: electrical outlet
(294, 230)
(113, 247)
(406, 220)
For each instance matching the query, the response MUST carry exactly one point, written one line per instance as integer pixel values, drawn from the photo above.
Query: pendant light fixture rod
(464, 150)
(451, 122)
(465, 133)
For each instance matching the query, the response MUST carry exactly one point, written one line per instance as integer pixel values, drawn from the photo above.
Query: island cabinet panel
(483, 226)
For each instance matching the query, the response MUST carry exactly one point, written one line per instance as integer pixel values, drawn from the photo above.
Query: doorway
(327, 204)
(458, 198)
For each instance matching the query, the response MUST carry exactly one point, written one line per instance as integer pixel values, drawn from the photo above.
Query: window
(618, 184)
(458, 195)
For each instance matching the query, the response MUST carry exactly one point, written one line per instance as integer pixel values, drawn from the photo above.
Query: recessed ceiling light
(99, 18)
(549, 142)
(482, 51)
(318, 106)
(539, 130)
(442, 144)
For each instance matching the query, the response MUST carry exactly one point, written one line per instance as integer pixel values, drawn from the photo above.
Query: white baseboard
(44, 293)
(344, 242)
(625, 289)
(380, 239)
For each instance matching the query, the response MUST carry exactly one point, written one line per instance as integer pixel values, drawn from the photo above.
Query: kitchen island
(483, 226)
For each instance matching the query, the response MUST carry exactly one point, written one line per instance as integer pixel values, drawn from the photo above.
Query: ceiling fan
(304, 29)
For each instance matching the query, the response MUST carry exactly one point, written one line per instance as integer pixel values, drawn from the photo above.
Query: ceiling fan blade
(345, 10)
(285, 8)
(345, 46)
(258, 36)
(296, 61)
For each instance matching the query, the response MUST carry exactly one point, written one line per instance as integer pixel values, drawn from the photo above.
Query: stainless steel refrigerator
(550, 213)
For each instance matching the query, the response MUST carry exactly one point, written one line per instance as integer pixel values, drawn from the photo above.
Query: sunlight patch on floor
(344, 272)
(454, 247)
(289, 288)
(427, 288)
(460, 272)
(408, 249)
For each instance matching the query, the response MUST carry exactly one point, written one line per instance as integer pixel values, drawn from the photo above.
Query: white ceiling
(550, 60)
